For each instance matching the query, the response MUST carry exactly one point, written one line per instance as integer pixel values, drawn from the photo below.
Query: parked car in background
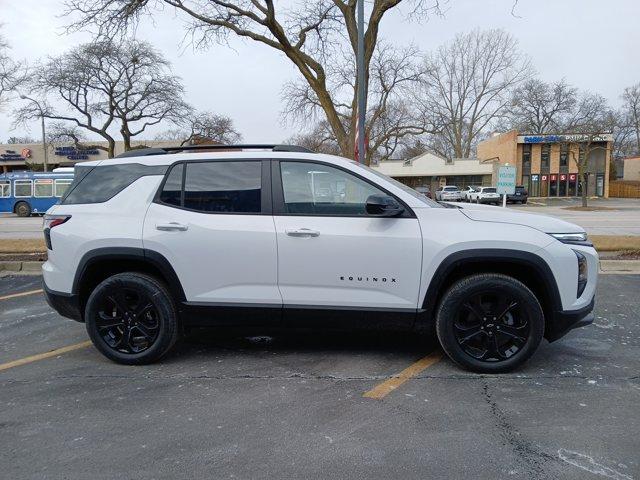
(426, 191)
(521, 195)
(449, 193)
(466, 193)
(485, 195)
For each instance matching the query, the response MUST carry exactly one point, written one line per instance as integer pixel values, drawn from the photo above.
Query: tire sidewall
(160, 299)
(467, 287)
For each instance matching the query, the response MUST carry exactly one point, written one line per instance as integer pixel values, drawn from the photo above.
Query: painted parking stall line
(21, 294)
(43, 356)
(385, 388)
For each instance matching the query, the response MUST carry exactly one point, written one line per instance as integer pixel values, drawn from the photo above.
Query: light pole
(360, 82)
(44, 138)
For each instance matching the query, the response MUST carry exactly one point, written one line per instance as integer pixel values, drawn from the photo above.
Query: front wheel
(489, 323)
(131, 318)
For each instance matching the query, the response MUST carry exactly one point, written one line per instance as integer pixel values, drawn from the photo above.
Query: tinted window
(489, 190)
(43, 188)
(315, 189)
(171, 192)
(99, 184)
(22, 188)
(230, 187)
(61, 186)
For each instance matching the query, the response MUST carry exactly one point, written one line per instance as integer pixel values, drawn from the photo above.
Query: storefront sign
(73, 153)
(572, 177)
(11, 155)
(563, 178)
(572, 138)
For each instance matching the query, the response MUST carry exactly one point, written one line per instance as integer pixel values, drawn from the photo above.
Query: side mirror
(383, 206)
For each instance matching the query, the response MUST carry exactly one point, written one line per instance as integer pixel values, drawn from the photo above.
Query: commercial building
(31, 155)
(432, 171)
(546, 164)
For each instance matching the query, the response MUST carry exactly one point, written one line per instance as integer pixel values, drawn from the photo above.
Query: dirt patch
(616, 243)
(588, 209)
(17, 245)
(23, 257)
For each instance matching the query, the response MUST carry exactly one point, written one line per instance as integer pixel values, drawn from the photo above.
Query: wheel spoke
(493, 349)
(143, 308)
(475, 307)
(108, 321)
(504, 306)
(148, 333)
(125, 340)
(513, 332)
(469, 334)
(119, 301)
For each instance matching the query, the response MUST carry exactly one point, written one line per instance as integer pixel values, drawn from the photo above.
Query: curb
(31, 267)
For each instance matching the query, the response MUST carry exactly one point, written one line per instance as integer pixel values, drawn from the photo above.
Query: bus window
(62, 185)
(22, 188)
(43, 187)
(5, 188)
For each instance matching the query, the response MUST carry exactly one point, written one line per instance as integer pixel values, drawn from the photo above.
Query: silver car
(449, 193)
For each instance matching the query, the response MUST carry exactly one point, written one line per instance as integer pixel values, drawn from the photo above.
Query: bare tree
(631, 114)
(18, 140)
(319, 139)
(467, 85)
(12, 75)
(203, 127)
(539, 107)
(314, 35)
(104, 86)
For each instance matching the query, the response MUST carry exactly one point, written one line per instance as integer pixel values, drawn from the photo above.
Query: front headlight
(583, 272)
(572, 238)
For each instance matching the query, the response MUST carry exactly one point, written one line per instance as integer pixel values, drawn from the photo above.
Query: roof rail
(141, 152)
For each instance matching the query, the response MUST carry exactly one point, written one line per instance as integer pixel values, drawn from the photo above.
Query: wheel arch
(527, 267)
(98, 264)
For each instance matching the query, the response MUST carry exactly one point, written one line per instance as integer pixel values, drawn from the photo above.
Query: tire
(481, 345)
(23, 209)
(131, 319)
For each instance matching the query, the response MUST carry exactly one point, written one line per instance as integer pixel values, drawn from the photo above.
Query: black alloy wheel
(489, 323)
(131, 318)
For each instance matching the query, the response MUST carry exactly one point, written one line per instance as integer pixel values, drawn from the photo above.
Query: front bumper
(563, 322)
(66, 304)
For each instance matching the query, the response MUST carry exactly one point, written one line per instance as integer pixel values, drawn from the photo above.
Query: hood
(544, 223)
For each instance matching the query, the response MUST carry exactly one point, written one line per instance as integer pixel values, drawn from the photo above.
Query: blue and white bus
(25, 193)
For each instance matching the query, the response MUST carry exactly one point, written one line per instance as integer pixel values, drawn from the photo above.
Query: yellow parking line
(21, 294)
(385, 388)
(42, 356)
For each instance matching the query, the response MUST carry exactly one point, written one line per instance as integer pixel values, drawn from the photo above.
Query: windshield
(450, 189)
(405, 188)
(489, 190)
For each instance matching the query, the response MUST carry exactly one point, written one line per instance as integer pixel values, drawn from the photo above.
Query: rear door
(332, 255)
(212, 221)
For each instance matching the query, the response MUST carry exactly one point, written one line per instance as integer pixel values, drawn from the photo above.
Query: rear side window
(172, 190)
(101, 183)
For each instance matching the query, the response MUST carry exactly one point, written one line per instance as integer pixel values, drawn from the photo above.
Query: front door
(215, 228)
(332, 254)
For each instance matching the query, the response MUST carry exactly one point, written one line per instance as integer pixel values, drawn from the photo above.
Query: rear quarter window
(101, 183)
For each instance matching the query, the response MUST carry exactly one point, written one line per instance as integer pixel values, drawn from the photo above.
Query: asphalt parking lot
(295, 406)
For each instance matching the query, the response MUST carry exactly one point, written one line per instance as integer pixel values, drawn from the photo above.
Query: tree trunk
(111, 148)
(583, 180)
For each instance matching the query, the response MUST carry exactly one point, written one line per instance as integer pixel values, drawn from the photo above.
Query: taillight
(49, 222)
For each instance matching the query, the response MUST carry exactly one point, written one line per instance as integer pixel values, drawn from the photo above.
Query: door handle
(302, 232)
(171, 226)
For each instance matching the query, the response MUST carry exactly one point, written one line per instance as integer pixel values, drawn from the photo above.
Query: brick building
(546, 165)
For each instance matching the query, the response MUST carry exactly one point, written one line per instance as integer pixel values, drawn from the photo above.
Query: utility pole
(362, 94)
(45, 166)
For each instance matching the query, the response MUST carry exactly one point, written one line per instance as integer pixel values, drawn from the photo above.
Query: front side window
(316, 189)
(223, 187)
(43, 188)
(22, 188)
(5, 188)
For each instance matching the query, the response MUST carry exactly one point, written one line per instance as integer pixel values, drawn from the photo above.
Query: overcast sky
(593, 44)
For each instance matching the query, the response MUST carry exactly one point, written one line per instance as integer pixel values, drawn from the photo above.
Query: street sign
(506, 180)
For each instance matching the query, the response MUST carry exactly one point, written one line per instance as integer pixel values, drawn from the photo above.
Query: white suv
(485, 195)
(159, 241)
(449, 193)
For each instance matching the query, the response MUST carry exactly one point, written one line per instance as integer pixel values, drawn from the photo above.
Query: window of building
(61, 186)
(544, 156)
(172, 190)
(43, 187)
(564, 155)
(544, 186)
(562, 186)
(553, 185)
(223, 187)
(526, 156)
(534, 187)
(23, 188)
(572, 185)
(5, 188)
(315, 189)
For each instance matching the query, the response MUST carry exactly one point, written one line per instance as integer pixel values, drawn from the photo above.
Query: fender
(483, 255)
(151, 257)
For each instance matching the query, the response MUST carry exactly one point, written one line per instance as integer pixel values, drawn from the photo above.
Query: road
(293, 406)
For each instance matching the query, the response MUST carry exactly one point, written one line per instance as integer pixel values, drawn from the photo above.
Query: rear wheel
(489, 323)
(131, 318)
(23, 209)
